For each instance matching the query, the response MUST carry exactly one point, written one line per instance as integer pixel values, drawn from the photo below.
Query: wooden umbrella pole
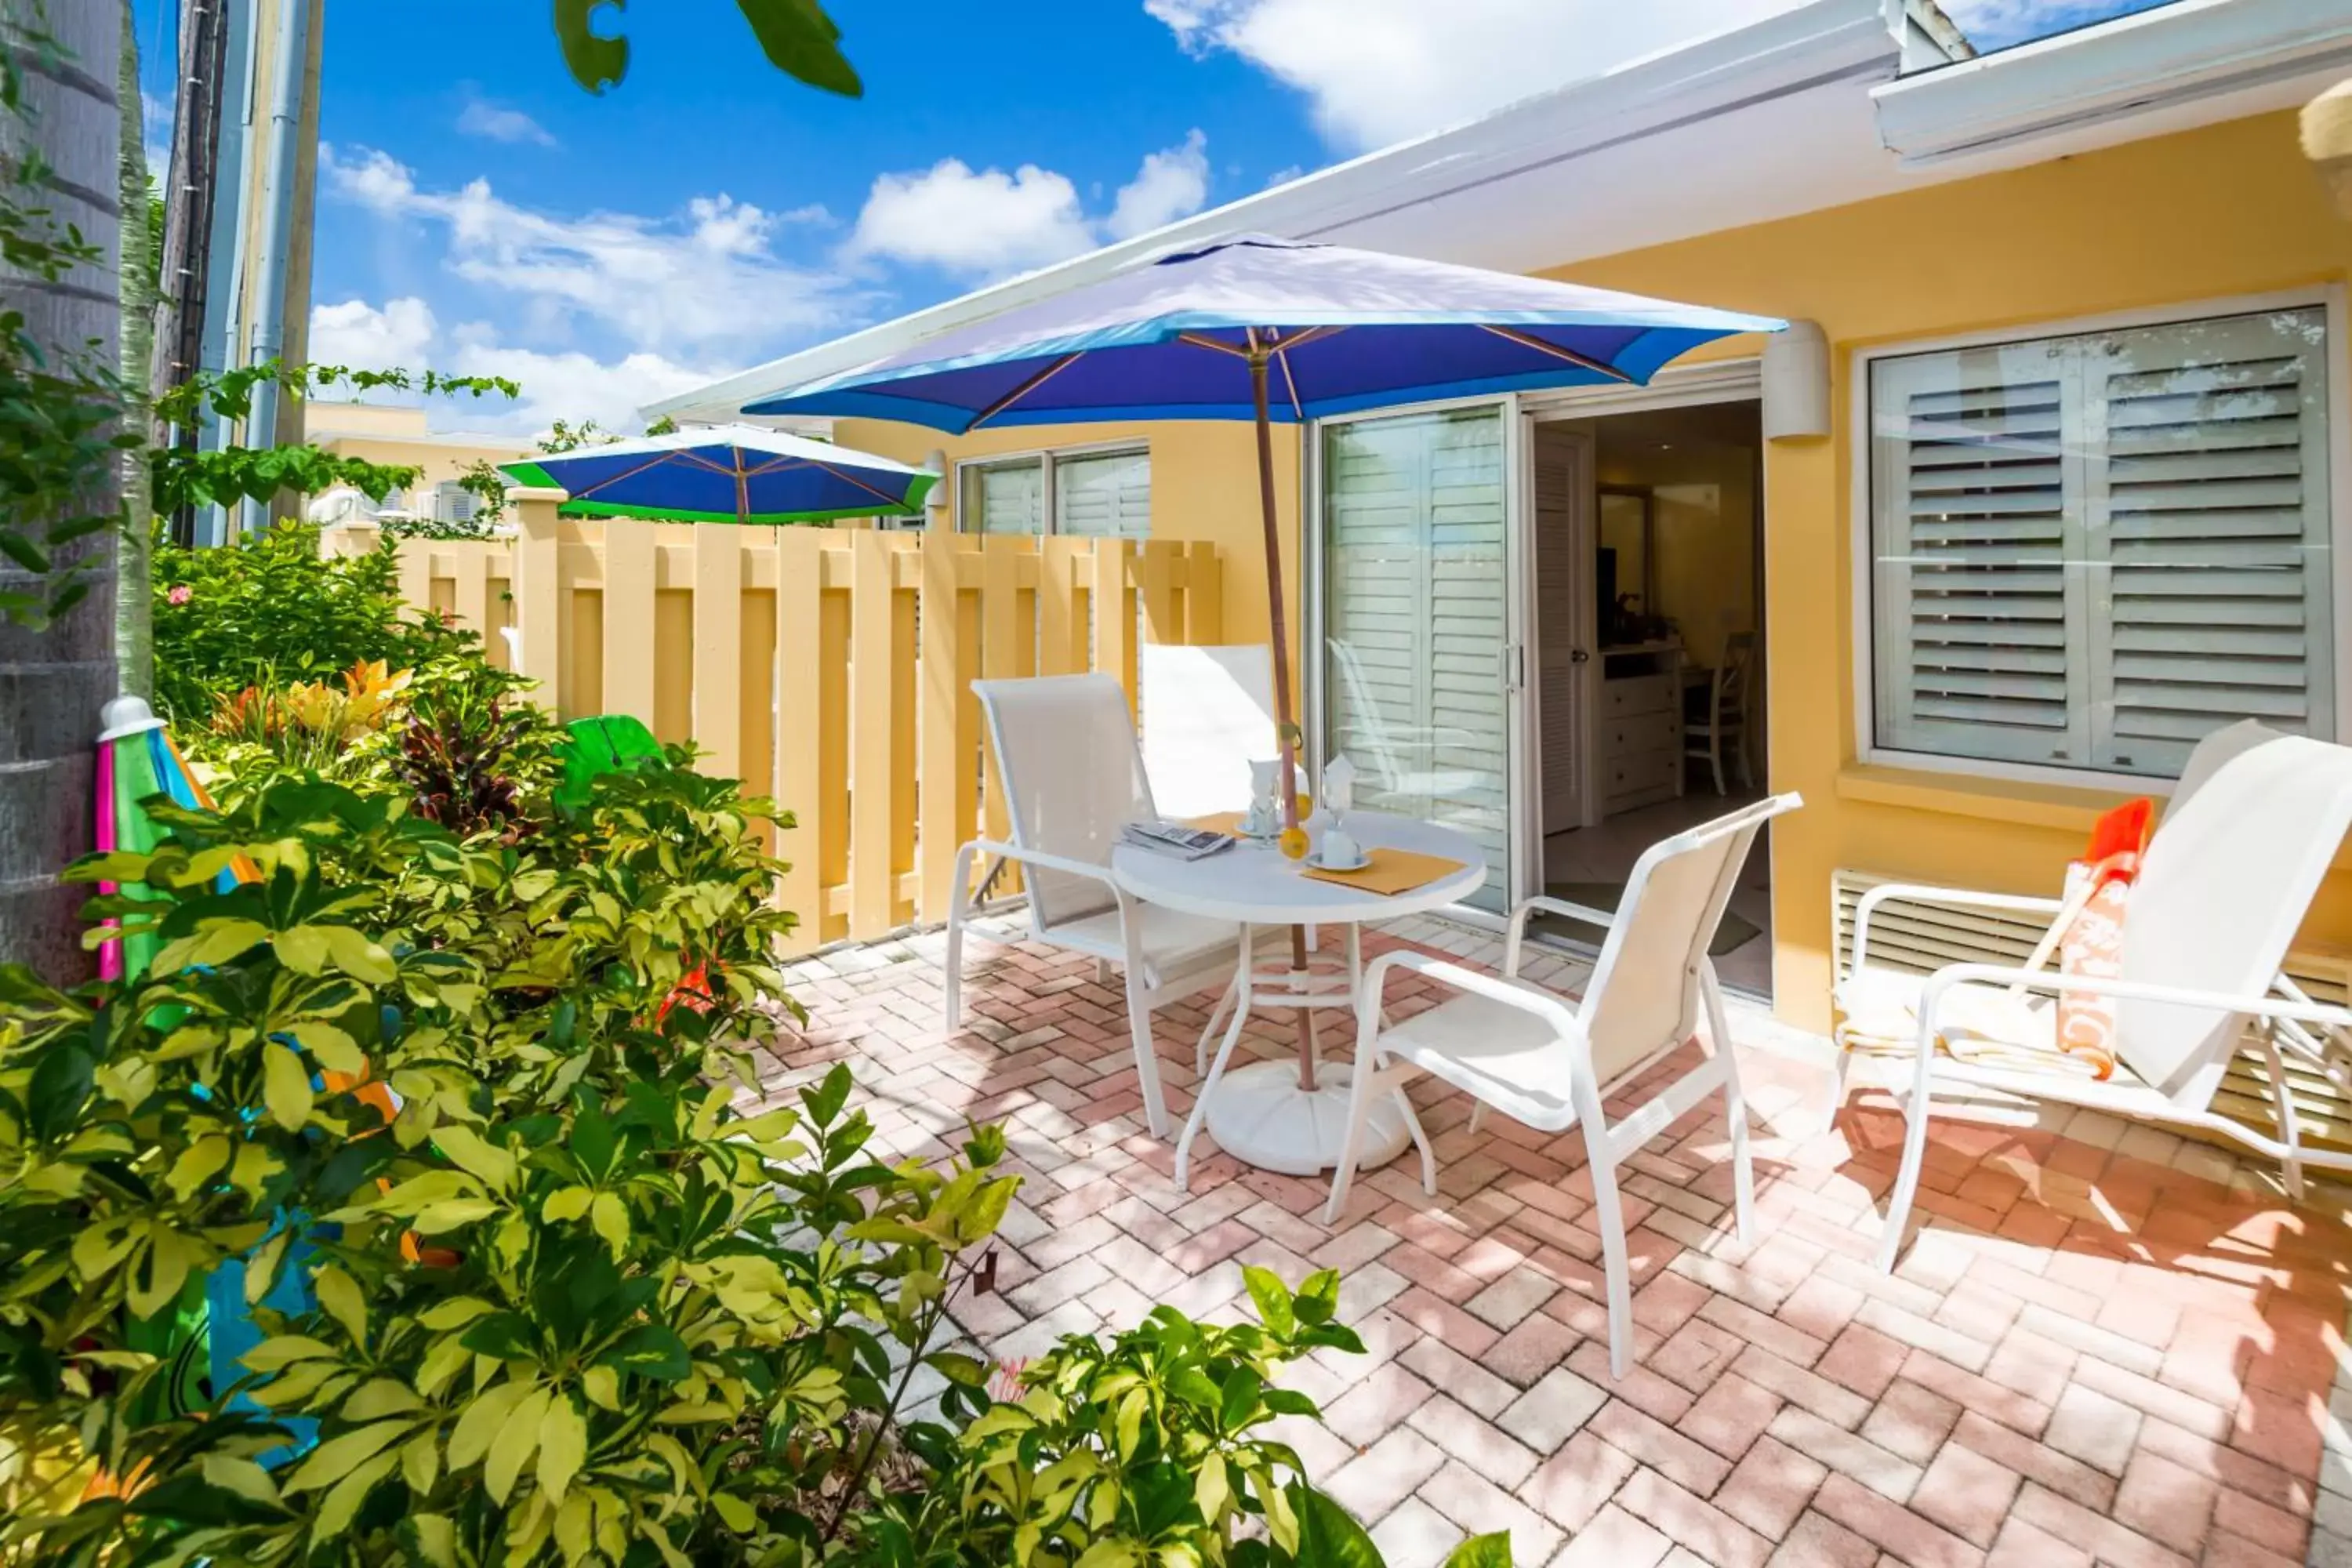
(1286, 724)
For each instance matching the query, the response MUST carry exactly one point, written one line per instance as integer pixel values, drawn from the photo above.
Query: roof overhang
(2188, 63)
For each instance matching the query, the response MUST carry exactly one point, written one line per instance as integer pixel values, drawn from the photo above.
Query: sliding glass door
(1421, 661)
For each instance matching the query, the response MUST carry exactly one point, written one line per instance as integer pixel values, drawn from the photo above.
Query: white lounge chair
(1552, 1063)
(1073, 777)
(2226, 881)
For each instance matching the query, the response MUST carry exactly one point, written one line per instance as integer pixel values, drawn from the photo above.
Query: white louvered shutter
(1414, 520)
(1969, 469)
(2091, 552)
(1004, 497)
(2206, 502)
(1103, 495)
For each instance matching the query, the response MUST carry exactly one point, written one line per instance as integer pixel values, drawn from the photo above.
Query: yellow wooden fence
(829, 668)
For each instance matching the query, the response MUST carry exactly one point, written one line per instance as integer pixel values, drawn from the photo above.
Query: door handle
(1579, 655)
(1515, 666)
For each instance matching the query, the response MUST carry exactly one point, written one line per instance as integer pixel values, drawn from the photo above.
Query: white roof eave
(2186, 63)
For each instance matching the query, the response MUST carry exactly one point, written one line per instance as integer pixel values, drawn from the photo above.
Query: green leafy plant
(269, 610)
(797, 36)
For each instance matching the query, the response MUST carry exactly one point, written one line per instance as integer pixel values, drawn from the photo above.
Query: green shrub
(578, 1302)
(269, 611)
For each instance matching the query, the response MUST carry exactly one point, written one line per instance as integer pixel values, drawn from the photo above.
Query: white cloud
(682, 287)
(399, 335)
(1378, 72)
(566, 384)
(570, 386)
(1172, 184)
(987, 222)
(497, 122)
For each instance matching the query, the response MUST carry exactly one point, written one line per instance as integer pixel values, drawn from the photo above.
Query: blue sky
(479, 212)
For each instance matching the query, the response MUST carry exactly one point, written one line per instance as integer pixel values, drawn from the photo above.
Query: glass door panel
(1417, 622)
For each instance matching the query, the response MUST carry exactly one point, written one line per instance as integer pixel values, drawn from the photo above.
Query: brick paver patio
(2108, 1346)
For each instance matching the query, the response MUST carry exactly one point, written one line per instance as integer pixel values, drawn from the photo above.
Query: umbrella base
(1260, 1116)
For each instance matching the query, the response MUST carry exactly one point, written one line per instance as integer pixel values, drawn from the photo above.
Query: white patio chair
(2226, 882)
(1553, 1063)
(1208, 713)
(1073, 777)
(1401, 764)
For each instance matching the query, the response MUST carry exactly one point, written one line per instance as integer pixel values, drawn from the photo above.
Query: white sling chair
(2225, 884)
(1073, 777)
(1551, 1063)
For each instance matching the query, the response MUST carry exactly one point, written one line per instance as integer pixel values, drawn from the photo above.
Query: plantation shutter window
(1103, 495)
(2090, 552)
(1004, 497)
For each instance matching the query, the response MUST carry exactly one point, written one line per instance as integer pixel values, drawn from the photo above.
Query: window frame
(1048, 458)
(1862, 521)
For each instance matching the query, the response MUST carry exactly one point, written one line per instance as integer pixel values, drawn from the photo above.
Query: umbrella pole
(1285, 725)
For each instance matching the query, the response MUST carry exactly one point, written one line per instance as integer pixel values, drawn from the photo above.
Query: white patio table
(1260, 1113)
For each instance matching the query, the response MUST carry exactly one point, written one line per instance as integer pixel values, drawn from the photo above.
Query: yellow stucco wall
(2228, 211)
(1204, 487)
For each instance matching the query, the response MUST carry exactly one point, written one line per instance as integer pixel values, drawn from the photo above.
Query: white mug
(1341, 853)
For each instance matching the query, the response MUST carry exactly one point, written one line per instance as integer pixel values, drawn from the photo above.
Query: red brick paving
(2089, 1357)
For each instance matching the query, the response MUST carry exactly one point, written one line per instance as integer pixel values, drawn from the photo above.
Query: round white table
(1260, 1113)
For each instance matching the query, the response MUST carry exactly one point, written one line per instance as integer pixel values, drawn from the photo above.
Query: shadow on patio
(2108, 1346)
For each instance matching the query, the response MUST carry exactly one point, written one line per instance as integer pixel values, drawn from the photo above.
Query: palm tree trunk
(134, 621)
(54, 678)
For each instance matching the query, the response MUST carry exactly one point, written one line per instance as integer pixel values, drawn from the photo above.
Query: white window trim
(1048, 458)
(1866, 751)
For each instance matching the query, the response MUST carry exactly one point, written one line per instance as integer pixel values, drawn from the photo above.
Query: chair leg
(1478, 1109)
(1147, 1058)
(2290, 1130)
(1715, 758)
(1216, 1018)
(1735, 1105)
(951, 999)
(1906, 1180)
(1351, 1146)
(1841, 1085)
(1420, 1140)
(1616, 1268)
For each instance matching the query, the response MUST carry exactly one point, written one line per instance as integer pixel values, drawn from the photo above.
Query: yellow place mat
(1230, 822)
(1392, 871)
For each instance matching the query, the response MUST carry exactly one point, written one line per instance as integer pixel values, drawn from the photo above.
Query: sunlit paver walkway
(2108, 1347)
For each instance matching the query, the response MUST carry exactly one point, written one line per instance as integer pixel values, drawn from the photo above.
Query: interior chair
(1073, 776)
(1555, 1063)
(1721, 724)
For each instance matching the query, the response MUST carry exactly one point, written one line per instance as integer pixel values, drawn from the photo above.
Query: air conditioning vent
(1922, 939)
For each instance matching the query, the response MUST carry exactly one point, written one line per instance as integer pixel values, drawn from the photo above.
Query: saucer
(1317, 862)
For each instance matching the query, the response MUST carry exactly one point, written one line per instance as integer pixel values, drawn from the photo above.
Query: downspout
(276, 240)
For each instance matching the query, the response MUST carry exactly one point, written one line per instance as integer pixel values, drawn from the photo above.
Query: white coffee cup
(1341, 853)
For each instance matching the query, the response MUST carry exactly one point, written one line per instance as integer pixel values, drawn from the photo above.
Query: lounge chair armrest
(1455, 976)
(1516, 937)
(2260, 1004)
(1923, 893)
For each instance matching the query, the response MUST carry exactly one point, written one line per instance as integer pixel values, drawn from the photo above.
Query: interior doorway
(1650, 649)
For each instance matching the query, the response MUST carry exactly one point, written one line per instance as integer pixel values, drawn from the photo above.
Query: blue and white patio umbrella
(1277, 332)
(729, 473)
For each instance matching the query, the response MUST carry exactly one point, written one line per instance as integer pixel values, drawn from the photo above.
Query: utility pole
(188, 216)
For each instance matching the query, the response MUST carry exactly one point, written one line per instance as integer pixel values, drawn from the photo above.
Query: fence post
(359, 537)
(537, 590)
(1114, 614)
